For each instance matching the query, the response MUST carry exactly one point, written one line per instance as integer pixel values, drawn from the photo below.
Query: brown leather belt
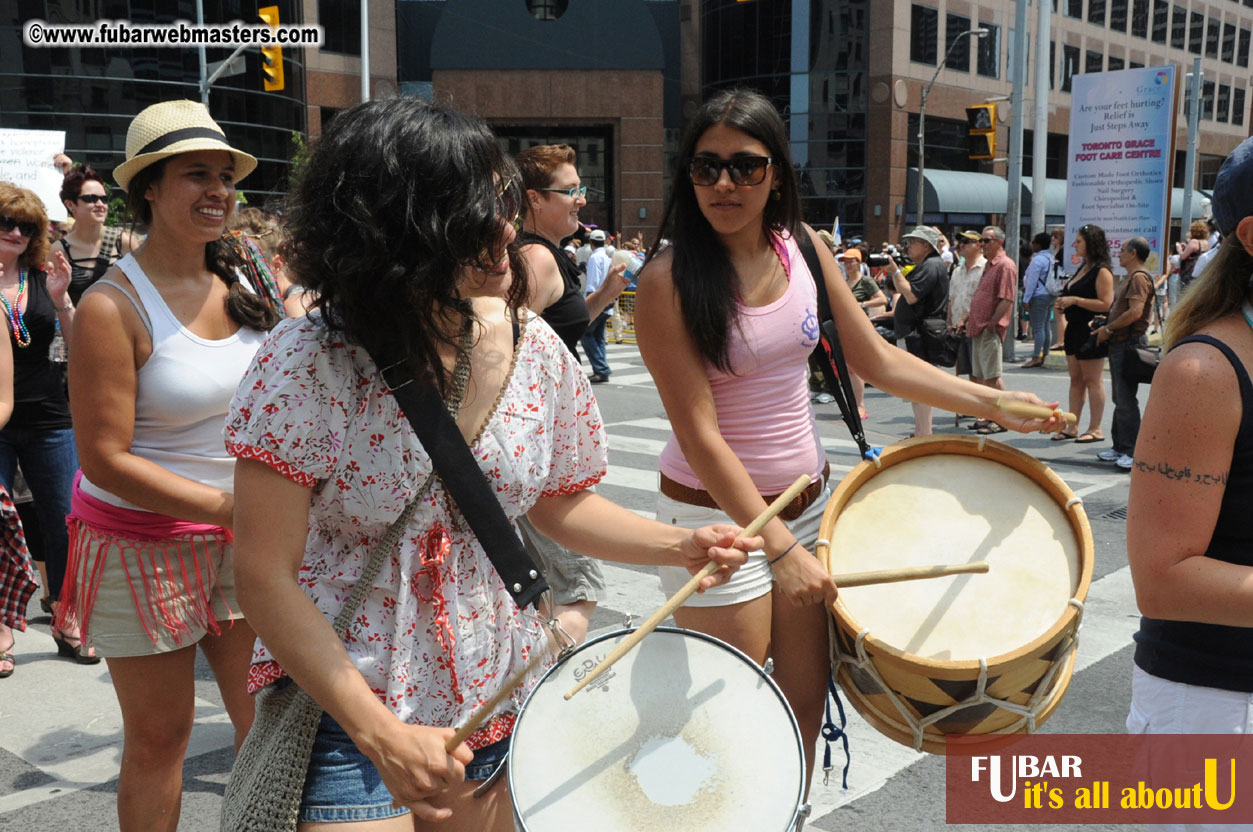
(696, 497)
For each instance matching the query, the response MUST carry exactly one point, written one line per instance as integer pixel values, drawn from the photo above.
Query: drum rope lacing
(1039, 700)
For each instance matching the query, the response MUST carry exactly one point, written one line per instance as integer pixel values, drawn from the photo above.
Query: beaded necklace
(14, 313)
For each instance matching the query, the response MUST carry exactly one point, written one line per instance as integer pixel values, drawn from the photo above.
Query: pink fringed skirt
(140, 583)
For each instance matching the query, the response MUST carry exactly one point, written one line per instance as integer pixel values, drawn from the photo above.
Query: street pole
(922, 116)
(204, 72)
(1195, 77)
(1013, 210)
(365, 50)
(1039, 144)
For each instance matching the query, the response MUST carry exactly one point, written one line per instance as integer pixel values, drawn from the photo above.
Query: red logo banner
(1100, 778)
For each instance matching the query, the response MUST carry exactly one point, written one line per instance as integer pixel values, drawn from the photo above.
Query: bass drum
(969, 654)
(684, 733)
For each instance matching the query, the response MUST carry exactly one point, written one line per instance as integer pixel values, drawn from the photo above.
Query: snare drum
(970, 654)
(683, 733)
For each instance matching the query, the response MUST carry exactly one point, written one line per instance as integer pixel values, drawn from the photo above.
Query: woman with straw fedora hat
(173, 330)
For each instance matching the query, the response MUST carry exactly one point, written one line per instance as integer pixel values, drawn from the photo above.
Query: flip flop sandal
(1088, 439)
(1062, 436)
(978, 424)
(990, 429)
(7, 656)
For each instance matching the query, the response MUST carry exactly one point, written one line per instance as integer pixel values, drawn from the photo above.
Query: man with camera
(923, 295)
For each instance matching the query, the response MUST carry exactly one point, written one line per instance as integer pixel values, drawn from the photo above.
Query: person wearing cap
(172, 330)
(1189, 539)
(870, 296)
(961, 288)
(924, 293)
(991, 307)
(603, 283)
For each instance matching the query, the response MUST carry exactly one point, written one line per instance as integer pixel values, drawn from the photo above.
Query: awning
(949, 193)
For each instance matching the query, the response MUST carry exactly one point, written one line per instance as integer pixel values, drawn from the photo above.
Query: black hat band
(162, 142)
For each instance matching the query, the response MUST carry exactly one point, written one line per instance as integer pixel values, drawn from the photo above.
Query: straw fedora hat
(170, 128)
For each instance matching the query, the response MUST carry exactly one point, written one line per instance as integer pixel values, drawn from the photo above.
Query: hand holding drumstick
(1025, 412)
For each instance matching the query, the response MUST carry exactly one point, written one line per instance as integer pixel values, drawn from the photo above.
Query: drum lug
(768, 667)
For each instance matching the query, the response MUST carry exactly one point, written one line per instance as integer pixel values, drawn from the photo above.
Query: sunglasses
(26, 229)
(573, 193)
(743, 170)
(92, 199)
(983, 241)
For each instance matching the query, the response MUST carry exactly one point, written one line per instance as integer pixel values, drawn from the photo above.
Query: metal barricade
(622, 321)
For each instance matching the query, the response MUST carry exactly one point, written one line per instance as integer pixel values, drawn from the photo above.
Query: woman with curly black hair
(1089, 293)
(171, 330)
(402, 229)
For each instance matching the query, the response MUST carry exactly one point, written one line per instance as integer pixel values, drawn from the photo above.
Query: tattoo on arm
(1184, 474)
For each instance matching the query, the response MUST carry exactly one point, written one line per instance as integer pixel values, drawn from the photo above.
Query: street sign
(231, 66)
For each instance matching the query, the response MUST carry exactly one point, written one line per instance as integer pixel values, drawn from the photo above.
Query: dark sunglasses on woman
(92, 199)
(743, 170)
(26, 229)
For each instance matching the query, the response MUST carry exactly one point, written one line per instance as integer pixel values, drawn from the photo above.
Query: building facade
(93, 93)
(852, 72)
(602, 77)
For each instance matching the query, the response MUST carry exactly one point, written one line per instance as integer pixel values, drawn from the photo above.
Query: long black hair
(242, 306)
(703, 275)
(396, 198)
(1095, 248)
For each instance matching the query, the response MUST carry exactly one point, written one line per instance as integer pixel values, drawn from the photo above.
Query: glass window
(1207, 100)
(988, 63)
(341, 26)
(1211, 38)
(1135, 65)
(1229, 43)
(959, 57)
(1242, 56)
(1179, 27)
(1224, 102)
(1237, 106)
(1052, 62)
(1070, 65)
(1093, 61)
(1161, 20)
(1140, 19)
(1196, 33)
(1074, 8)
(1115, 63)
(1096, 12)
(924, 23)
(1118, 15)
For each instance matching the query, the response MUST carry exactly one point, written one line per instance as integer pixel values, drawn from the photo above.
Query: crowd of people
(245, 455)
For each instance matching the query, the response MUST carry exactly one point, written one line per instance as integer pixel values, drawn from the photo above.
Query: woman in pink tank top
(726, 319)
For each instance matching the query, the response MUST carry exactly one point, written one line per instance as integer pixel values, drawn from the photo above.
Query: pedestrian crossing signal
(271, 56)
(981, 138)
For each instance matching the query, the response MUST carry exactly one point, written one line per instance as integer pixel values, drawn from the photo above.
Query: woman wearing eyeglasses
(90, 246)
(726, 321)
(39, 435)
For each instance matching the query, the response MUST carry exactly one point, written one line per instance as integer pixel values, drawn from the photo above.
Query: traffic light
(271, 56)
(981, 139)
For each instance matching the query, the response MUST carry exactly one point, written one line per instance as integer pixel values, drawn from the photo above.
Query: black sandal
(6, 655)
(67, 649)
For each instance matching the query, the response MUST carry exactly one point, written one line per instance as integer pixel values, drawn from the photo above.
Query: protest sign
(26, 161)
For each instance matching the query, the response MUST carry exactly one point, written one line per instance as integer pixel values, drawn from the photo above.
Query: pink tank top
(763, 409)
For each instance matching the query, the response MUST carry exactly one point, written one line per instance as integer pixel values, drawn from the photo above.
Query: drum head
(684, 733)
(951, 508)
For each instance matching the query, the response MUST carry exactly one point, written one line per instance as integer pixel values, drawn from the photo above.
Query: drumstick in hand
(1032, 411)
(691, 586)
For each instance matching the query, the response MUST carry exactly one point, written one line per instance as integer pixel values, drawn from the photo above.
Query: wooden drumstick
(908, 573)
(1032, 411)
(480, 716)
(691, 586)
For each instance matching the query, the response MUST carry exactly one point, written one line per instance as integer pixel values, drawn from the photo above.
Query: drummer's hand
(802, 580)
(1025, 425)
(414, 766)
(722, 544)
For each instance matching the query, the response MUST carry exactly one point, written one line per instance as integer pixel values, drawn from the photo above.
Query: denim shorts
(343, 786)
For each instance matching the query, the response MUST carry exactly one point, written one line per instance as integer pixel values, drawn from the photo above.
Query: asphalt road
(60, 733)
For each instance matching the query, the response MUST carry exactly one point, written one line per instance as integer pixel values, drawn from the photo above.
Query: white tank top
(184, 391)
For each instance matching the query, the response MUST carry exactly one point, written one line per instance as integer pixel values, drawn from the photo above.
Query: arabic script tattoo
(1184, 474)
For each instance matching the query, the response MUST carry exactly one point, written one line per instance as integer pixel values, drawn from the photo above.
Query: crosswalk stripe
(635, 478)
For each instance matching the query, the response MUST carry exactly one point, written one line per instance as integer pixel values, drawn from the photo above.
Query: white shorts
(1160, 706)
(754, 578)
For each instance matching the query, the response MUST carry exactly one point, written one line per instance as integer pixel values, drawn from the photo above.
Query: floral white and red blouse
(438, 633)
